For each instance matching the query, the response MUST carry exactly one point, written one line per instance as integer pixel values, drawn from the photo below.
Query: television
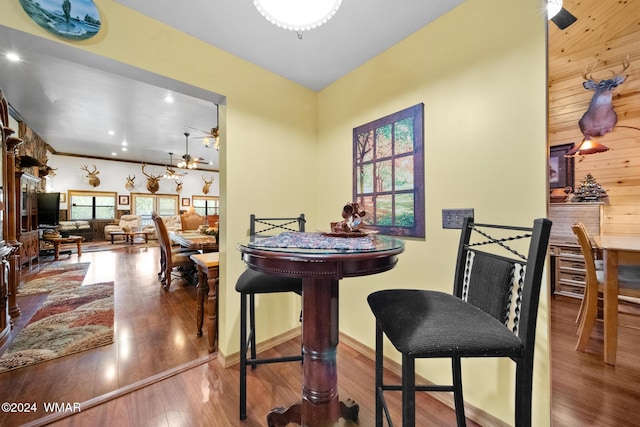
(48, 209)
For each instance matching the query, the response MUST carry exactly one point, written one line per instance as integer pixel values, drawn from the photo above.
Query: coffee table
(57, 241)
(129, 236)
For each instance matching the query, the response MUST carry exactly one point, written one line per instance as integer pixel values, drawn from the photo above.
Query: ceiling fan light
(297, 15)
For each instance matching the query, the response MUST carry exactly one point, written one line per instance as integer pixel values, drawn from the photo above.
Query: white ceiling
(71, 99)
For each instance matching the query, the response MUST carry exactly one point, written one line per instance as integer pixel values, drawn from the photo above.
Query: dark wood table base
(280, 417)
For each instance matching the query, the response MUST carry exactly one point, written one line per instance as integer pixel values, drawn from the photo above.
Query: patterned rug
(71, 320)
(57, 276)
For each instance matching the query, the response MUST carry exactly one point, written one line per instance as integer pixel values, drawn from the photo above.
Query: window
(145, 204)
(388, 172)
(206, 205)
(86, 205)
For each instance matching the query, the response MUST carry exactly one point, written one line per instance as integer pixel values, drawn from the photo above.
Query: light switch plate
(453, 218)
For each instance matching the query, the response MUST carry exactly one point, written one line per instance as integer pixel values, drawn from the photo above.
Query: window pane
(384, 209)
(167, 206)
(364, 151)
(404, 210)
(81, 212)
(404, 136)
(365, 179)
(104, 212)
(143, 205)
(383, 141)
(384, 181)
(404, 173)
(105, 201)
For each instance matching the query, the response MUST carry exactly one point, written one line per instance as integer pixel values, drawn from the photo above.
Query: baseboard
(57, 416)
(477, 415)
(234, 358)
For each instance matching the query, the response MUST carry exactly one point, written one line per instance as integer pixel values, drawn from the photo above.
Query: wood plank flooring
(155, 331)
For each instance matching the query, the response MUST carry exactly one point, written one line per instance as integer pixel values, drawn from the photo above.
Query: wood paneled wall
(606, 31)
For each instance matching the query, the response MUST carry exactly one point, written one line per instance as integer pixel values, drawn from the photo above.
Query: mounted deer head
(153, 181)
(94, 181)
(207, 185)
(600, 117)
(178, 185)
(130, 184)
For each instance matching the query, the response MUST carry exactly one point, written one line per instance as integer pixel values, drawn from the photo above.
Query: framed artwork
(123, 200)
(70, 19)
(388, 172)
(63, 197)
(561, 168)
(186, 201)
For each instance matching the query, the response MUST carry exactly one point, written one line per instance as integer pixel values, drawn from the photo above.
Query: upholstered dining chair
(628, 280)
(172, 259)
(491, 313)
(252, 282)
(191, 220)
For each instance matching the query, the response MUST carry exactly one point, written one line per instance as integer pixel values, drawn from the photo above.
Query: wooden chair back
(191, 220)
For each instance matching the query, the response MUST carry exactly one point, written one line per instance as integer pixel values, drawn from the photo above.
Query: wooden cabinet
(568, 272)
(28, 227)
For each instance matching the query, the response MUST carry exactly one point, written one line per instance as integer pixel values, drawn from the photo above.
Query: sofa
(76, 228)
(173, 223)
(130, 222)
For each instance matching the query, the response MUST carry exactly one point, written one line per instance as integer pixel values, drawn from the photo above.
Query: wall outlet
(453, 218)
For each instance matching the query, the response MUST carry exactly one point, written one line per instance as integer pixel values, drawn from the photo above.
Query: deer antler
(152, 176)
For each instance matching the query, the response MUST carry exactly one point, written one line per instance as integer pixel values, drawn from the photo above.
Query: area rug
(70, 321)
(57, 276)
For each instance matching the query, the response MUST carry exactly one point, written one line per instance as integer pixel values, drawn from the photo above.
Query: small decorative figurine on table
(352, 221)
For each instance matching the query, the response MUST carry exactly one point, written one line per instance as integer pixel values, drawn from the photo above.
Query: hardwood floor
(586, 391)
(155, 331)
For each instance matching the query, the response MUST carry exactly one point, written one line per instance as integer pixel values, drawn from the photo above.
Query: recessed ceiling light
(13, 57)
(124, 143)
(114, 154)
(111, 133)
(168, 99)
(124, 148)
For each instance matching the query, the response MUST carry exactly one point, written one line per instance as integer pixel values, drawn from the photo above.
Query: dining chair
(491, 313)
(628, 280)
(191, 220)
(173, 261)
(249, 284)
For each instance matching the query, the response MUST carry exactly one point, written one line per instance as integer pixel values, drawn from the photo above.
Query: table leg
(610, 306)
(202, 284)
(79, 244)
(112, 236)
(212, 304)
(56, 250)
(320, 405)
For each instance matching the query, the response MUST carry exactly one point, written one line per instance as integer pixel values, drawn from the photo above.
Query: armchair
(131, 221)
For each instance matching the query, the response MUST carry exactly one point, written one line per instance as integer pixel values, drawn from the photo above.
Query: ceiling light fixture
(13, 57)
(297, 15)
(587, 146)
(559, 15)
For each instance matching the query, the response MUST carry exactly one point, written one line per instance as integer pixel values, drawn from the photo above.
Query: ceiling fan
(170, 172)
(188, 162)
(210, 138)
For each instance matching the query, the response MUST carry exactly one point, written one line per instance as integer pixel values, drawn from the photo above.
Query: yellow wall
(480, 72)
(268, 121)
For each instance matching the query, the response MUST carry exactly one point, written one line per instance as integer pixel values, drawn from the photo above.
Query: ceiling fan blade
(563, 19)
